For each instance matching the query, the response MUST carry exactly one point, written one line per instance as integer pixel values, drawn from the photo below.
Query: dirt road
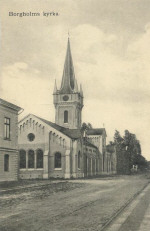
(68, 206)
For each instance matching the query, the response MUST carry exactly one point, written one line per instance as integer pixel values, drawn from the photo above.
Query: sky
(111, 55)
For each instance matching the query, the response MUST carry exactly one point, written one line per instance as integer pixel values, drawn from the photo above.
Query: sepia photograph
(74, 115)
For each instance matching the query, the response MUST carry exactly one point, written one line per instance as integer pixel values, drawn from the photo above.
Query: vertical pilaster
(45, 172)
(67, 162)
(95, 165)
(91, 167)
(35, 160)
(87, 166)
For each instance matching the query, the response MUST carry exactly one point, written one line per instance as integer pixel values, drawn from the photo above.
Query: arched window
(30, 159)
(63, 143)
(39, 154)
(6, 162)
(57, 160)
(22, 158)
(65, 116)
(53, 137)
(79, 159)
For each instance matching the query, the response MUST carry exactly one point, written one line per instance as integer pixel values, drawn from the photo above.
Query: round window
(31, 136)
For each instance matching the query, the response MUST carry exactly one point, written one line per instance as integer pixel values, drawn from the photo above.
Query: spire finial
(68, 34)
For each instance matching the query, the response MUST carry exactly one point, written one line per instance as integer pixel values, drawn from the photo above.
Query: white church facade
(61, 149)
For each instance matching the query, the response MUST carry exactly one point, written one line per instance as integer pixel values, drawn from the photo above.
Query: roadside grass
(17, 195)
(20, 182)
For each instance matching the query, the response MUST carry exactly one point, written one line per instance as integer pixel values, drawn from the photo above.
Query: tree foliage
(129, 151)
(86, 126)
(117, 138)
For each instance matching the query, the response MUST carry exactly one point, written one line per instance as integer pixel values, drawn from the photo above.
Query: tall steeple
(81, 91)
(68, 78)
(75, 86)
(68, 100)
(55, 88)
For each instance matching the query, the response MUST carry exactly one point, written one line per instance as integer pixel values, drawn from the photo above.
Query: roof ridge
(88, 142)
(9, 104)
(71, 133)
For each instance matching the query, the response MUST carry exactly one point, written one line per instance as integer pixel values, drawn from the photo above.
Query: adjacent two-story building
(8, 141)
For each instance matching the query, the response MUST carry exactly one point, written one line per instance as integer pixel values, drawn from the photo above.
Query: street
(69, 205)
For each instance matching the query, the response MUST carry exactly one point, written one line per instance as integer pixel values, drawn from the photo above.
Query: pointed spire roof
(81, 91)
(68, 78)
(75, 86)
(55, 87)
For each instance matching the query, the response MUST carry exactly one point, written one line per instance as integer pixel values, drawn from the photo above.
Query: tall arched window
(30, 159)
(65, 116)
(39, 154)
(22, 158)
(79, 159)
(57, 160)
(6, 162)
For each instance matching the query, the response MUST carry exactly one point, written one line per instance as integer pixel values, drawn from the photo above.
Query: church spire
(68, 78)
(68, 100)
(81, 91)
(75, 86)
(55, 88)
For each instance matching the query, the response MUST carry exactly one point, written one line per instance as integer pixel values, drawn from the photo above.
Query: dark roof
(72, 133)
(86, 142)
(96, 131)
(68, 78)
(10, 105)
(110, 148)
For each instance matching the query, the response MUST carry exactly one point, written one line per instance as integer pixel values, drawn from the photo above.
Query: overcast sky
(110, 44)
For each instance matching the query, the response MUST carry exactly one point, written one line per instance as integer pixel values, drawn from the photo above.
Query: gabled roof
(71, 133)
(86, 142)
(96, 131)
(10, 105)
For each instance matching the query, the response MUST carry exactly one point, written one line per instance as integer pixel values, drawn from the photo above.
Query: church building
(61, 149)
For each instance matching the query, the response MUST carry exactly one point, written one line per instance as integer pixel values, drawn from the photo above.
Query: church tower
(68, 100)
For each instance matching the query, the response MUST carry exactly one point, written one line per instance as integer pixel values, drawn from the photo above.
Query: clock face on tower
(65, 97)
